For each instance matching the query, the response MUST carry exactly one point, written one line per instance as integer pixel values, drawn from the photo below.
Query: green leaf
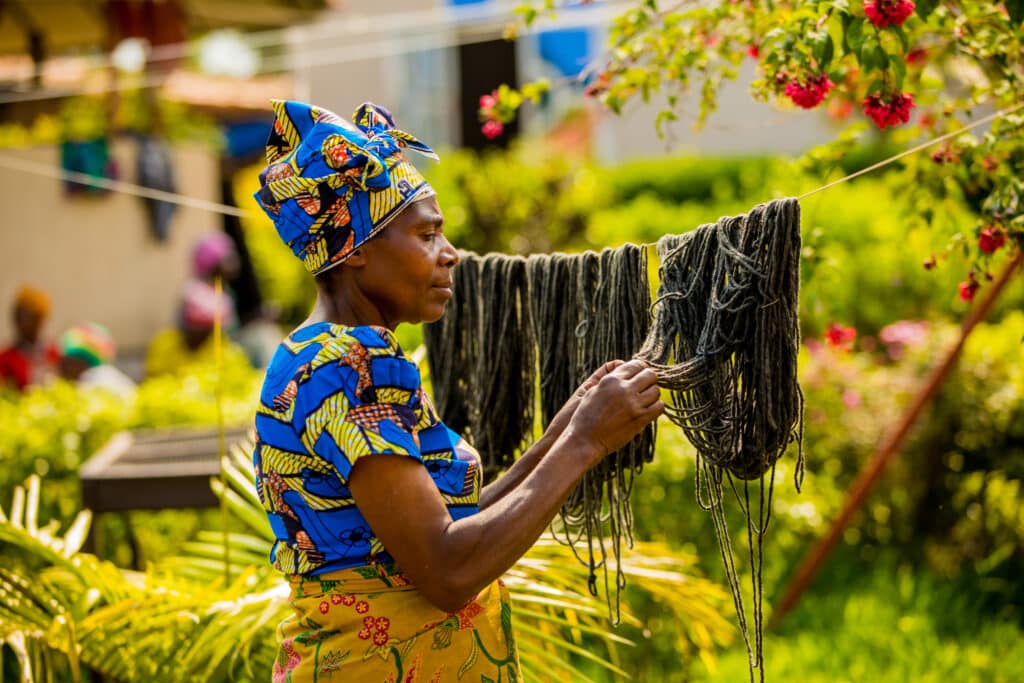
(899, 71)
(902, 35)
(827, 53)
(926, 7)
(1015, 8)
(855, 35)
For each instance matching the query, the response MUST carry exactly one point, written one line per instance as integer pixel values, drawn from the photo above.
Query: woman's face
(408, 266)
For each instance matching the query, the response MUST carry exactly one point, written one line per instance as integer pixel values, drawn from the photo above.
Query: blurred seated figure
(85, 353)
(24, 362)
(214, 255)
(172, 350)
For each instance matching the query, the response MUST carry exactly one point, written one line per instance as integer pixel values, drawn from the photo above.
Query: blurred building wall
(95, 255)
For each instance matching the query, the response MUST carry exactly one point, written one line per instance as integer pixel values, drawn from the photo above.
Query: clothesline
(13, 163)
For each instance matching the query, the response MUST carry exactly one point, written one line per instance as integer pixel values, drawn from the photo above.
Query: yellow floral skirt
(370, 624)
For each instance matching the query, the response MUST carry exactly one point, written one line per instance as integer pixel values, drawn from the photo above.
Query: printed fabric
(332, 184)
(334, 394)
(369, 624)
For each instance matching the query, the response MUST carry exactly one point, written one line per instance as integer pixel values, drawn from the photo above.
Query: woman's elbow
(448, 594)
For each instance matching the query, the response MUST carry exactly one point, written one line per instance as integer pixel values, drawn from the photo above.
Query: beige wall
(95, 255)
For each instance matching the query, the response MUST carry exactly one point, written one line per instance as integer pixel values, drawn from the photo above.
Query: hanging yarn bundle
(588, 309)
(724, 342)
(481, 355)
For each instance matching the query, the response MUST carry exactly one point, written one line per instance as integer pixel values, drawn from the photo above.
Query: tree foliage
(914, 70)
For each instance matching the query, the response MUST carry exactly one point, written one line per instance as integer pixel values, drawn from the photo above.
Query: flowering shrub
(896, 58)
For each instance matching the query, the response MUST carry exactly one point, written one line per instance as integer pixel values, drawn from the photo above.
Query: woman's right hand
(621, 404)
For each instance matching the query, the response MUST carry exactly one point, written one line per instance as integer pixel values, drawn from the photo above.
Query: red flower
(889, 113)
(917, 55)
(380, 638)
(324, 606)
(968, 289)
(335, 599)
(754, 51)
(365, 634)
(368, 622)
(883, 13)
(382, 623)
(840, 336)
(362, 606)
(991, 239)
(492, 129)
(809, 93)
(348, 600)
(488, 101)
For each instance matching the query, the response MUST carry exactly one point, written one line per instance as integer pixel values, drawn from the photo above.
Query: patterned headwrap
(89, 342)
(331, 185)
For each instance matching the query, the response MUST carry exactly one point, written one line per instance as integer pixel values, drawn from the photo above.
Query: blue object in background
(247, 137)
(568, 49)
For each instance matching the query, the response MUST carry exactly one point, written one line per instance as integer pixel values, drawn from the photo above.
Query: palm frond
(62, 609)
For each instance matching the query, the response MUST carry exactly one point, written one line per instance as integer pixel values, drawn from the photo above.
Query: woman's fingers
(649, 395)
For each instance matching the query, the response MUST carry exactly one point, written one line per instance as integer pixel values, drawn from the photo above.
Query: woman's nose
(449, 254)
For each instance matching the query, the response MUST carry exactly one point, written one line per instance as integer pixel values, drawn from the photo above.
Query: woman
(395, 553)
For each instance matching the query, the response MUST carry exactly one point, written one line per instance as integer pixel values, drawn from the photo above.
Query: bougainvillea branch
(913, 69)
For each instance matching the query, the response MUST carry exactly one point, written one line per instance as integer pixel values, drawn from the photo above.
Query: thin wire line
(215, 207)
(57, 173)
(912, 150)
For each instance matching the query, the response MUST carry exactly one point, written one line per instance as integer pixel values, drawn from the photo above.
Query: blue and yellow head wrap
(330, 185)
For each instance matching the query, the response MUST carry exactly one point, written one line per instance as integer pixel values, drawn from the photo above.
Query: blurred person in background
(85, 355)
(171, 351)
(25, 362)
(215, 256)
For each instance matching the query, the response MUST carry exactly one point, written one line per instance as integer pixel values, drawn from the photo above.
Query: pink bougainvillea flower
(488, 102)
(851, 398)
(889, 112)
(991, 238)
(492, 129)
(840, 336)
(809, 92)
(968, 289)
(884, 13)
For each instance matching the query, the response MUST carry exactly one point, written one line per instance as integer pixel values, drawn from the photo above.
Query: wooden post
(888, 449)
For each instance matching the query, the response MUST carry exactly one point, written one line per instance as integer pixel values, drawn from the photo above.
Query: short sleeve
(367, 399)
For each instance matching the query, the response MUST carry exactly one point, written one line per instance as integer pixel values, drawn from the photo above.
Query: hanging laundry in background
(91, 157)
(155, 170)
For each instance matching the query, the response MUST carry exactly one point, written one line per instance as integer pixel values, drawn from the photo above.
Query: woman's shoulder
(333, 341)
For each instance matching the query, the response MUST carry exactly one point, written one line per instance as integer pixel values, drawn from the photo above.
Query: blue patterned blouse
(334, 394)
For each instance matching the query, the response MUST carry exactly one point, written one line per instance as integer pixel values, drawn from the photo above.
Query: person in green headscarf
(393, 547)
(85, 356)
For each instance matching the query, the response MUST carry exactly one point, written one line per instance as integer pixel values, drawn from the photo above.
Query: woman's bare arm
(450, 561)
(515, 475)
